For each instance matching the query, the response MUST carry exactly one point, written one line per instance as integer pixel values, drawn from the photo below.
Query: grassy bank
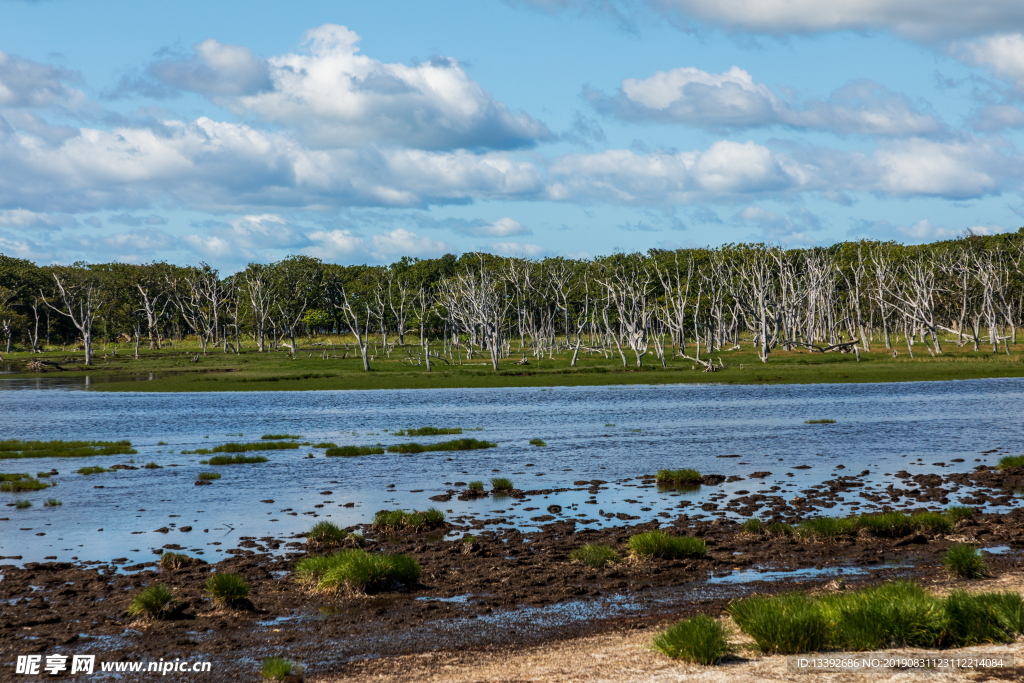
(175, 370)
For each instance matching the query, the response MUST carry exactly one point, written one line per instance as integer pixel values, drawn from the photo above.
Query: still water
(614, 434)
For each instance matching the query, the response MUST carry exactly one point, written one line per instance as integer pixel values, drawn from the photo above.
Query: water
(882, 428)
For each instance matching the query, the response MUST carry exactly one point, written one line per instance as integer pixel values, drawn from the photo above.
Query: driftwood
(39, 365)
(842, 347)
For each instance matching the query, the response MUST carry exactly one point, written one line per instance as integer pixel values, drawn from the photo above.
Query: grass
(326, 444)
(1010, 461)
(400, 520)
(965, 561)
(595, 555)
(170, 561)
(14, 476)
(24, 485)
(209, 476)
(753, 526)
(454, 445)
(700, 639)
(279, 669)
(957, 512)
(468, 539)
(501, 484)
(326, 533)
(244, 448)
(235, 459)
(15, 449)
(819, 422)
(428, 431)
(152, 466)
(53, 502)
(22, 504)
(779, 529)
(227, 589)
(539, 443)
(883, 525)
(352, 451)
(357, 571)
(894, 614)
(93, 470)
(280, 437)
(660, 545)
(153, 602)
(684, 477)
(476, 486)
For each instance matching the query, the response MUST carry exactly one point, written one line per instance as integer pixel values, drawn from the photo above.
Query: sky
(228, 132)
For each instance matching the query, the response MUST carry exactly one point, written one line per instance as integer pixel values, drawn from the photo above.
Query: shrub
(358, 571)
(827, 528)
(787, 624)
(326, 533)
(352, 451)
(753, 526)
(501, 484)
(428, 431)
(227, 589)
(53, 502)
(538, 442)
(235, 459)
(659, 545)
(957, 512)
(171, 561)
(280, 437)
(682, 477)
(965, 561)
(93, 470)
(701, 639)
(153, 602)
(22, 504)
(595, 555)
(280, 669)
(476, 486)
(25, 485)
(1005, 463)
(208, 476)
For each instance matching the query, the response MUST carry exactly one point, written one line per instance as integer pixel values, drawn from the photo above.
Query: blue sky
(360, 132)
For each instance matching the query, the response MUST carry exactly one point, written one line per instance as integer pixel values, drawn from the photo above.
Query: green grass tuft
(326, 533)
(22, 504)
(1010, 462)
(957, 512)
(501, 484)
(352, 451)
(538, 442)
(753, 526)
(468, 539)
(358, 571)
(701, 639)
(25, 485)
(787, 624)
(965, 561)
(153, 602)
(280, 669)
(171, 561)
(235, 459)
(595, 555)
(660, 545)
(476, 486)
(209, 476)
(14, 476)
(152, 466)
(827, 528)
(428, 431)
(932, 522)
(53, 502)
(684, 477)
(400, 520)
(454, 445)
(227, 589)
(93, 470)
(779, 529)
(280, 437)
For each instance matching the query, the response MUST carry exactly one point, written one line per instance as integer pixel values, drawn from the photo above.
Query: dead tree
(79, 297)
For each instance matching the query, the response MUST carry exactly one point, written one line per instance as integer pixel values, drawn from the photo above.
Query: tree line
(685, 303)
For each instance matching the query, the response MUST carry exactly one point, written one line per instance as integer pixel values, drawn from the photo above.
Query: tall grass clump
(152, 466)
(352, 451)
(454, 445)
(539, 443)
(227, 589)
(932, 522)
(235, 459)
(1010, 461)
(280, 669)
(25, 485)
(209, 476)
(245, 447)
(154, 602)
(660, 545)
(684, 477)
(753, 526)
(170, 561)
(779, 529)
(358, 571)
(827, 528)
(15, 448)
(280, 437)
(787, 624)
(701, 639)
(400, 520)
(885, 525)
(957, 512)
(428, 431)
(326, 533)
(965, 561)
(93, 470)
(501, 484)
(22, 504)
(52, 503)
(476, 486)
(595, 555)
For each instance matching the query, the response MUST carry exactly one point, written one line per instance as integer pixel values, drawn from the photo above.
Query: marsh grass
(595, 555)
(358, 571)
(428, 431)
(886, 524)
(24, 485)
(245, 447)
(14, 449)
(501, 484)
(539, 443)
(468, 539)
(152, 466)
(683, 477)
(154, 602)
(819, 422)
(352, 451)
(44, 475)
(326, 533)
(15, 476)
(1010, 461)
(883, 525)
(965, 561)
(476, 486)
(700, 639)
(660, 545)
(400, 520)
(235, 459)
(227, 589)
(325, 444)
(957, 512)
(93, 470)
(280, 669)
(209, 476)
(753, 526)
(52, 503)
(22, 504)
(453, 445)
(170, 561)
(932, 522)
(280, 437)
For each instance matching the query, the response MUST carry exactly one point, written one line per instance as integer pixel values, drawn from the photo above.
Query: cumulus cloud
(503, 227)
(21, 219)
(248, 237)
(348, 246)
(522, 250)
(733, 99)
(24, 83)
(794, 229)
(1002, 54)
(996, 117)
(337, 97)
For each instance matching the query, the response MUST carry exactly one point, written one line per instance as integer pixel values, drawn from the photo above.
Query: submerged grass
(428, 431)
(53, 502)
(660, 545)
(684, 477)
(400, 520)
(358, 571)
(539, 443)
(22, 504)
(700, 639)
(15, 476)
(326, 444)
(819, 422)
(235, 459)
(14, 449)
(244, 447)
(209, 476)
(93, 470)
(454, 445)
(352, 451)
(595, 555)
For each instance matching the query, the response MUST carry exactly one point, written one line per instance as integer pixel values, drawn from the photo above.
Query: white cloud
(401, 242)
(733, 99)
(503, 227)
(24, 83)
(1002, 54)
(347, 246)
(522, 250)
(996, 117)
(215, 70)
(795, 229)
(944, 169)
(248, 237)
(21, 219)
